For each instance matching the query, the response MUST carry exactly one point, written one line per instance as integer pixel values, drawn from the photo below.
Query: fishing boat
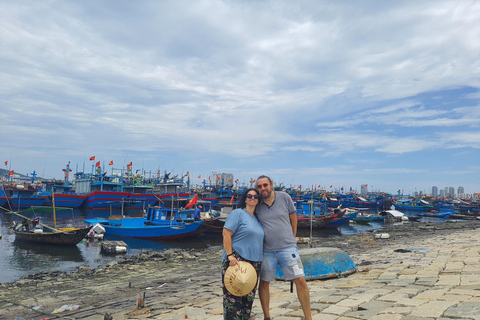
(392, 215)
(3, 198)
(432, 214)
(54, 235)
(63, 192)
(61, 236)
(349, 214)
(315, 222)
(159, 223)
(365, 218)
(22, 196)
(409, 204)
(137, 227)
(64, 197)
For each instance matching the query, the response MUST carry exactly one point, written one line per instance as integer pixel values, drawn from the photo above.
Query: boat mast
(53, 203)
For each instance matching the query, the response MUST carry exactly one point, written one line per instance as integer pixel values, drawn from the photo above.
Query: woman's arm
(227, 244)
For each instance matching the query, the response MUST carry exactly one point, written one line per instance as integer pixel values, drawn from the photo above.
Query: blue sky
(342, 93)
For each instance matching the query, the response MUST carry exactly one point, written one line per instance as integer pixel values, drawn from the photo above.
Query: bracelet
(231, 254)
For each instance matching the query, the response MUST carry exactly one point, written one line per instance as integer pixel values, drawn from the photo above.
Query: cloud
(240, 82)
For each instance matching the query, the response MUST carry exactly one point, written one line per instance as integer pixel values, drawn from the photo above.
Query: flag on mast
(192, 202)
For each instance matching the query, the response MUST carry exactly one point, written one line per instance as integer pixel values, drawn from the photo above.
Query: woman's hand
(233, 260)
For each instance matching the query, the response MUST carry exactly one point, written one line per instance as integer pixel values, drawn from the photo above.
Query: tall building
(451, 191)
(460, 192)
(434, 191)
(222, 179)
(364, 189)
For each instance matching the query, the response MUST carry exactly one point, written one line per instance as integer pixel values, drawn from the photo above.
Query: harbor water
(21, 259)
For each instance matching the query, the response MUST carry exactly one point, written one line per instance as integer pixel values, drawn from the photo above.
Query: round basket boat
(323, 263)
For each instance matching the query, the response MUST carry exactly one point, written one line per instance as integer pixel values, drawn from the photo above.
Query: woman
(242, 240)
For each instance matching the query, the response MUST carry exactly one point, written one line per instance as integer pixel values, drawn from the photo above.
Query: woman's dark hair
(243, 199)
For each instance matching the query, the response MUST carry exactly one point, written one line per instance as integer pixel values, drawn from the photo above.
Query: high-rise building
(222, 179)
(461, 192)
(364, 189)
(434, 191)
(451, 191)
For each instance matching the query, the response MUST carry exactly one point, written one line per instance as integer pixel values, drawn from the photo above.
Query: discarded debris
(66, 307)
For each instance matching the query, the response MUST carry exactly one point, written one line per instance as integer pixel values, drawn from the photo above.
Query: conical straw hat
(240, 279)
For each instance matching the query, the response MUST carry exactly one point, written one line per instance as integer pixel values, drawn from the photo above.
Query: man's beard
(269, 193)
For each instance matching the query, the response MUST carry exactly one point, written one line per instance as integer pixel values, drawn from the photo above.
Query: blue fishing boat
(22, 196)
(158, 225)
(410, 204)
(365, 218)
(349, 214)
(3, 198)
(433, 214)
(62, 192)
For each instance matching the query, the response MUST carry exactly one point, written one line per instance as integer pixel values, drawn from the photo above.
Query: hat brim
(240, 279)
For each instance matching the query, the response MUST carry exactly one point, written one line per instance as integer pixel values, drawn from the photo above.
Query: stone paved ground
(432, 275)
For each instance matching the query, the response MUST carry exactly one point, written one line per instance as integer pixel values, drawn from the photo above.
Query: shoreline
(178, 281)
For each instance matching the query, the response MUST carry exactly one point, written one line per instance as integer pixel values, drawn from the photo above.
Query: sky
(310, 93)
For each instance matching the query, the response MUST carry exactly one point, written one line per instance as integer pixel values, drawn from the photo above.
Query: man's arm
(293, 222)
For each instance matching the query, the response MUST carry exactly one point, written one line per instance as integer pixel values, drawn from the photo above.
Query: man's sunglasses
(250, 196)
(260, 186)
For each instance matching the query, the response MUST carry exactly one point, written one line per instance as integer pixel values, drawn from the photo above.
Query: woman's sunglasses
(250, 196)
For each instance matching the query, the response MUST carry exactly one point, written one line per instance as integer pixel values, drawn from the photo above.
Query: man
(197, 214)
(278, 217)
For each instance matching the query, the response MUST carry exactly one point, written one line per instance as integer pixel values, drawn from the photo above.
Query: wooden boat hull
(25, 203)
(214, 225)
(104, 199)
(65, 200)
(336, 223)
(304, 222)
(68, 237)
(136, 228)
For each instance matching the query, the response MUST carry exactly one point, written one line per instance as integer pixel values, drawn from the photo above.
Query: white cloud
(240, 81)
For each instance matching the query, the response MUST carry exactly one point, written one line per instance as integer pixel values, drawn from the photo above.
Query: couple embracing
(262, 232)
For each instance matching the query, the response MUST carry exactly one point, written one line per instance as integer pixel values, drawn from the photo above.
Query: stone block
(433, 309)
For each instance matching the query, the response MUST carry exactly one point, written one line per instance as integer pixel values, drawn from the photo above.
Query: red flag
(11, 173)
(110, 163)
(97, 164)
(6, 163)
(199, 176)
(331, 186)
(192, 202)
(231, 200)
(254, 180)
(92, 158)
(129, 165)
